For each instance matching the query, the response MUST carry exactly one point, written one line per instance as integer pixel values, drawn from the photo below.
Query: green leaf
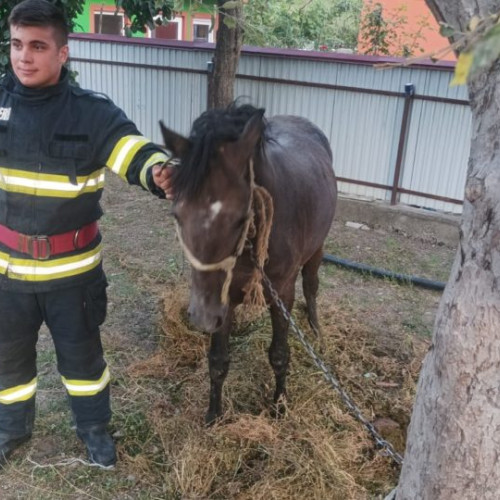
(493, 32)
(486, 52)
(230, 22)
(230, 5)
(474, 23)
(462, 69)
(446, 30)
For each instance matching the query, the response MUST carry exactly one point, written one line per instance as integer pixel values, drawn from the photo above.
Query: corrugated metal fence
(391, 140)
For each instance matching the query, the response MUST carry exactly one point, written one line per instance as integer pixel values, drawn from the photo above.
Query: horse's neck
(264, 173)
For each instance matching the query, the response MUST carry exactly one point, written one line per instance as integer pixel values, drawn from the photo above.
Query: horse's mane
(209, 130)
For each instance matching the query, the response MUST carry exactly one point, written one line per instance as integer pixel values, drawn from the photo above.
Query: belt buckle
(75, 239)
(41, 244)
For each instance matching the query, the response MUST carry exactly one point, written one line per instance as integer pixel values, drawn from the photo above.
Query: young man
(56, 140)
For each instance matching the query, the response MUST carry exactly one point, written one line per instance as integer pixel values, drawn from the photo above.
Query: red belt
(42, 247)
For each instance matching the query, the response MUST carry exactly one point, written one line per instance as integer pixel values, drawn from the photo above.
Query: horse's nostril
(218, 323)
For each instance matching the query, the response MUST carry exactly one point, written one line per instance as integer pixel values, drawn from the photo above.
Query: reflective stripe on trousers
(18, 393)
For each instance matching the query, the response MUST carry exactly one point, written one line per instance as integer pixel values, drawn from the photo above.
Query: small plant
(375, 30)
(385, 32)
(317, 24)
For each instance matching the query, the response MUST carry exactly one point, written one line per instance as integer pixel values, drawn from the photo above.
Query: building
(412, 24)
(102, 17)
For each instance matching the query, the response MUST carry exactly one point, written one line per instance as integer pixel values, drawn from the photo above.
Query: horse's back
(294, 131)
(298, 158)
(299, 154)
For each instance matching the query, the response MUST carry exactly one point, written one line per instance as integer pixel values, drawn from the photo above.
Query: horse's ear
(178, 144)
(251, 133)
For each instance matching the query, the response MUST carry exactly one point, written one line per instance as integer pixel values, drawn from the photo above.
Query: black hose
(382, 273)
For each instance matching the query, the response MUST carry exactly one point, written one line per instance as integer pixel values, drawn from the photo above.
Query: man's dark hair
(43, 14)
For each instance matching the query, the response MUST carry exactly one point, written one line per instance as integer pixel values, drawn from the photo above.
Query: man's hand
(162, 177)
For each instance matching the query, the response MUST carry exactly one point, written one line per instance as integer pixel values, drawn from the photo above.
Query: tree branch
(309, 2)
(436, 12)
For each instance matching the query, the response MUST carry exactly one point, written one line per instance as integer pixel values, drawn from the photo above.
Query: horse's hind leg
(218, 363)
(279, 351)
(310, 284)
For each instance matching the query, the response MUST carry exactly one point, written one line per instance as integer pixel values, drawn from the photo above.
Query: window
(108, 23)
(171, 31)
(201, 30)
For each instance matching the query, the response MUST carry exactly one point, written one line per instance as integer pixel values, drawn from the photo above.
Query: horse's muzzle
(205, 316)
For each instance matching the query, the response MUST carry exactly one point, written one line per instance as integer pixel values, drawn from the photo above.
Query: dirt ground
(377, 332)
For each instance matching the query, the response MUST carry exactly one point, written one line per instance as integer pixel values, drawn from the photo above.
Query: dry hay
(317, 450)
(189, 347)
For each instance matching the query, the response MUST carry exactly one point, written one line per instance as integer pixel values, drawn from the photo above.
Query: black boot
(100, 445)
(8, 444)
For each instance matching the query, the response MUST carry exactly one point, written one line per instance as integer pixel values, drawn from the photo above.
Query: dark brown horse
(229, 155)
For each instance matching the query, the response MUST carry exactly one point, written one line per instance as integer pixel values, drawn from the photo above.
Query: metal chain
(380, 442)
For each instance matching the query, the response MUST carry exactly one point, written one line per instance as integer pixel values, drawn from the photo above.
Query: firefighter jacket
(55, 145)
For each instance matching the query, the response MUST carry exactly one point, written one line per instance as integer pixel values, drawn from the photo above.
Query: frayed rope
(260, 230)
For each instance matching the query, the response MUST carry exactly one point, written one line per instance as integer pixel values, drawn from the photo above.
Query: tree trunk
(453, 444)
(227, 53)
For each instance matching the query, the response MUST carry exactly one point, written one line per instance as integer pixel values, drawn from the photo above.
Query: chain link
(380, 442)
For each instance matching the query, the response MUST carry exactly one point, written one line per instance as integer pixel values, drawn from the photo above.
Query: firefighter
(56, 141)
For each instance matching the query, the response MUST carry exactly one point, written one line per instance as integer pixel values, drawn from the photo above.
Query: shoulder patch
(5, 114)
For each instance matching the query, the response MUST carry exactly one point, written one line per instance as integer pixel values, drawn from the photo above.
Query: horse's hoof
(322, 346)
(279, 407)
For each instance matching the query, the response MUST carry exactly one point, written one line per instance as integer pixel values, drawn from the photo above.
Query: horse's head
(212, 204)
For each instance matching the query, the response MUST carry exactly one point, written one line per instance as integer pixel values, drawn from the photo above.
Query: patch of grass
(393, 252)
(46, 356)
(417, 325)
(124, 286)
(134, 424)
(433, 265)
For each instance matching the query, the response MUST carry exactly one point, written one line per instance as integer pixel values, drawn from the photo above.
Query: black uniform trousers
(73, 316)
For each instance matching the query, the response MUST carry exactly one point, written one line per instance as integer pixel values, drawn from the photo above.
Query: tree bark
(226, 57)
(453, 444)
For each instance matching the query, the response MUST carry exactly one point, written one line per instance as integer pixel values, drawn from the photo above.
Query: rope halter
(227, 264)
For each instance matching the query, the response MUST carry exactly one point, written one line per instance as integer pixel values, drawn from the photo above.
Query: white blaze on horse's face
(215, 209)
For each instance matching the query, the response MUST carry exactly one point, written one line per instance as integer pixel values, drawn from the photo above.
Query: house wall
(85, 23)
(360, 108)
(416, 12)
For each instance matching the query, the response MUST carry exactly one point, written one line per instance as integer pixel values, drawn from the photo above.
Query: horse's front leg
(279, 351)
(218, 364)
